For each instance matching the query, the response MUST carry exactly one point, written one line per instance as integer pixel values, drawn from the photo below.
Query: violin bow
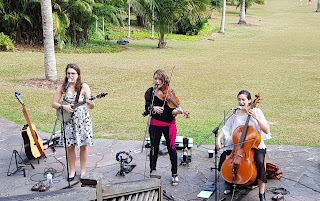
(165, 99)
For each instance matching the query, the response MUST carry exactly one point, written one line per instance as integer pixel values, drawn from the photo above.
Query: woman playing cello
(258, 122)
(162, 121)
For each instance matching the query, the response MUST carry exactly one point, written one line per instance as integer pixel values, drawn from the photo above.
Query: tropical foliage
(77, 21)
(6, 43)
(167, 13)
(71, 19)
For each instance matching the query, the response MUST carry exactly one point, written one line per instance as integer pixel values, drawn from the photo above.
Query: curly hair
(163, 75)
(78, 85)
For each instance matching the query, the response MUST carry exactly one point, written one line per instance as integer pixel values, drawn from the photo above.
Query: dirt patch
(42, 83)
(28, 48)
(244, 25)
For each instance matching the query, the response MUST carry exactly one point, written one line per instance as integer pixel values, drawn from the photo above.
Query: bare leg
(83, 159)
(262, 186)
(71, 160)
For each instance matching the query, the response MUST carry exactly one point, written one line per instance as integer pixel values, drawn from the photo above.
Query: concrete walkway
(300, 166)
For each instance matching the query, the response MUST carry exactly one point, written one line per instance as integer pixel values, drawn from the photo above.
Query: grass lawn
(276, 54)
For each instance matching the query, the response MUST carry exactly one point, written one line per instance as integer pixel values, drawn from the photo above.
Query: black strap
(77, 97)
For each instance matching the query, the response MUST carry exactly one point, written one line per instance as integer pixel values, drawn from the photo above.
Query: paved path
(300, 166)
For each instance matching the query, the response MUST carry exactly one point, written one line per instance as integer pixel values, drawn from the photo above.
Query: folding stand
(18, 167)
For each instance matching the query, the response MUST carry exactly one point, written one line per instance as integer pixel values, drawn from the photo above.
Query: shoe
(227, 192)
(72, 178)
(36, 186)
(43, 188)
(175, 180)
(262, 197)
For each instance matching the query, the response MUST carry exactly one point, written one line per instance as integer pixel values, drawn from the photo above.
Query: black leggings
(155, 136)
(259, 158)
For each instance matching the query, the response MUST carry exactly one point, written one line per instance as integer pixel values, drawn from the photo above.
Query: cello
(240, 167)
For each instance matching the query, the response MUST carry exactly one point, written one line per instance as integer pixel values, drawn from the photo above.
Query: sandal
(227, 192)
(175, 180)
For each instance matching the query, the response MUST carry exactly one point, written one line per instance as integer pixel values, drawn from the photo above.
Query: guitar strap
(77, 97)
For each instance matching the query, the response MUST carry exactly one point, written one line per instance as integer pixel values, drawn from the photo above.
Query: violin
(167, 94)
(240, 167)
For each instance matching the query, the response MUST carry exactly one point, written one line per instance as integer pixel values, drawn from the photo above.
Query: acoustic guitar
(32, 142)
(67, 116)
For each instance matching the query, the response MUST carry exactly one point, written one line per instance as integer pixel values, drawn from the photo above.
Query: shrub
(6, 43)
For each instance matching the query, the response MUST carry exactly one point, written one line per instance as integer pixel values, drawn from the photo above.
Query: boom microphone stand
(215, 132)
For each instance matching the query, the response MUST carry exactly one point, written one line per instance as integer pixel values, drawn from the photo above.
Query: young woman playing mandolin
(260, 124)
(78, 128)
(162, 121)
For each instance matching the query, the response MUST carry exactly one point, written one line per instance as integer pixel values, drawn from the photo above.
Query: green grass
(94, 47)
(276, 55)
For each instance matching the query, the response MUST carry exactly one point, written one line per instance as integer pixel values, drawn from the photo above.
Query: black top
(166, 116)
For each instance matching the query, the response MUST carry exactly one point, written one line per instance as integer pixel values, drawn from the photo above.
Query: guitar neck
(78, 104)
(26, 117)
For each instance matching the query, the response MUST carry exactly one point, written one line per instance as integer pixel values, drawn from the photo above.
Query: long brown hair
(78, 85)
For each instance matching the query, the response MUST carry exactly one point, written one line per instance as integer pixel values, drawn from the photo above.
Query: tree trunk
(48, 40)
(152, 25)
(243, 13)
(74, 37)
(103, 26)
(223, 19)
(129, 18)
(162, 44)
(318, 9)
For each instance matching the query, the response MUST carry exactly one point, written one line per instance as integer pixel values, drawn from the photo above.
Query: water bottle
(49, 180)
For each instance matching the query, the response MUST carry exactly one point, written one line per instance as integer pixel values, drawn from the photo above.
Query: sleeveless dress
(78, 129)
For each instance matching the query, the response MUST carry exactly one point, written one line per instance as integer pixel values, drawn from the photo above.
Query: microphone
(237, 108)
(154, 88)
(67, 85)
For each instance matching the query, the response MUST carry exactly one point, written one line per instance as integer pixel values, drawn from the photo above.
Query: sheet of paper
(204, 194)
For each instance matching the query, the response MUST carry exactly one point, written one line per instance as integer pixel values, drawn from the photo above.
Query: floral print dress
(78, 129)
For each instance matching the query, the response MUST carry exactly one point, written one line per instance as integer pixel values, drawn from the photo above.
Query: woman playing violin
(258, 122)
(162, 121)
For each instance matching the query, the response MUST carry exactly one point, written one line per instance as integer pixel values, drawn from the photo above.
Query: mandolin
(32, 142)
(67, 116)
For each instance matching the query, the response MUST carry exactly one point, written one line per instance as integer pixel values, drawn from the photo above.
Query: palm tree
(129, 16)
(243, 13)
(48, 41)
(245, 4)
(61, 23)
(223, 19)
(168, 12)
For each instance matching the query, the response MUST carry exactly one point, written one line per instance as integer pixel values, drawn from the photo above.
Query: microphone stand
(149, 118)
(147, 127)
(65, 144)
(215, 132)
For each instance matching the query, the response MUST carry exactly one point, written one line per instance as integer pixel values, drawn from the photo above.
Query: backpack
(273, 171)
